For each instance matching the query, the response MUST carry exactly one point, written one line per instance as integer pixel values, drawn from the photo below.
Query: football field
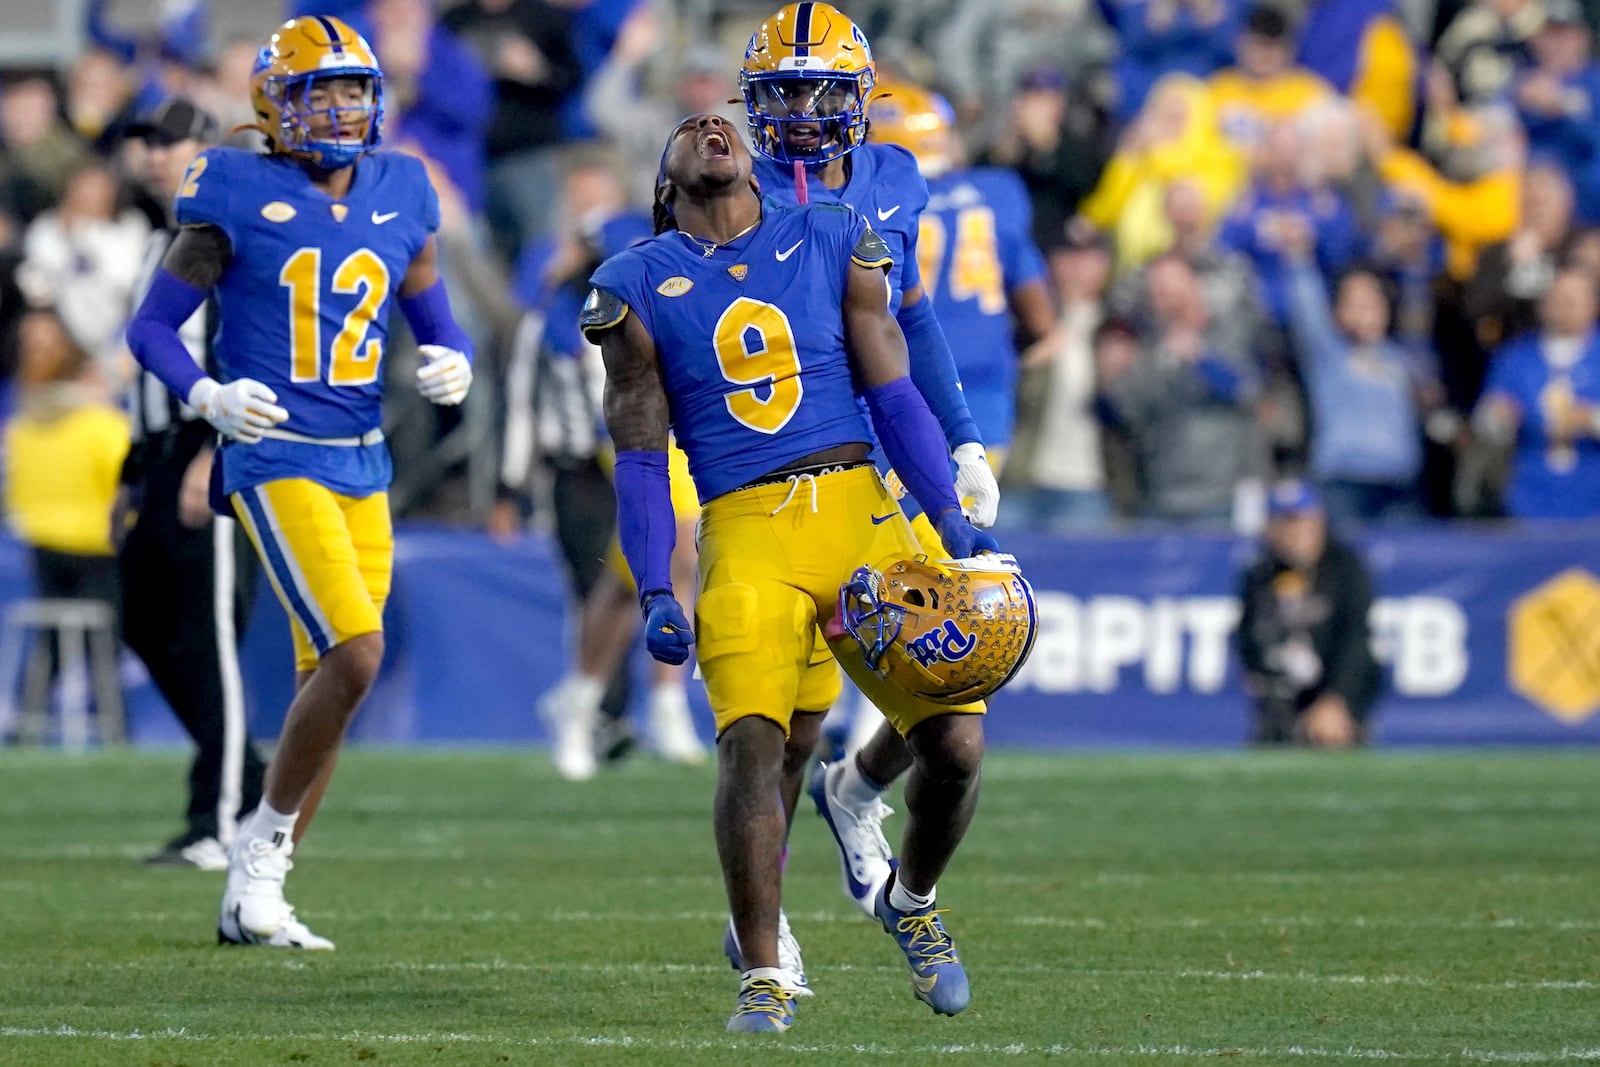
(1111, 908)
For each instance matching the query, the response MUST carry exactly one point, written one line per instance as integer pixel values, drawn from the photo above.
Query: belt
(814, 470)
(371, 437)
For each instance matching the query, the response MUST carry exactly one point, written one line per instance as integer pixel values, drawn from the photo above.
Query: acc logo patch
(1553, 651)
(277, 211)
(676, 285)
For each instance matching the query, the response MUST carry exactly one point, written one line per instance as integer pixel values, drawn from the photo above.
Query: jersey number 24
(975, 270)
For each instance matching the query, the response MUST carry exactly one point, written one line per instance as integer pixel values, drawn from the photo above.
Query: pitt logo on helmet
(317, 91)
(807, 74)
(945, 642)
(950, 632)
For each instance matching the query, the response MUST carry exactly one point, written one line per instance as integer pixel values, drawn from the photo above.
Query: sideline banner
(1488, 637)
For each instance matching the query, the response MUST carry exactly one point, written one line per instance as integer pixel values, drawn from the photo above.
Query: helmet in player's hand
(950, 632)
(921, 122)
(807, 74)
(290, 91)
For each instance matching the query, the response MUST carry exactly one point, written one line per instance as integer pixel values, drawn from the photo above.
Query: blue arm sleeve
(153, 333)
(646, 525)
(933, 370)
(432, 321)
(910, 438)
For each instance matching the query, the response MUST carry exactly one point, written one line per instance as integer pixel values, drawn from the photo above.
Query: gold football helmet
(299, 54)
(807, 74)
(920, 121)
(948, 631)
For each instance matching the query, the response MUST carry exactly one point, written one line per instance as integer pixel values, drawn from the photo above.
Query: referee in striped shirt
(188, 576)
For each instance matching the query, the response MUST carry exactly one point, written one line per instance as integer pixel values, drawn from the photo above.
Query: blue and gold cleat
(937, 976)
(765, 1007)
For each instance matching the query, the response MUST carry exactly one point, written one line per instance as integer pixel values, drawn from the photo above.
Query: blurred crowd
(1344, 239)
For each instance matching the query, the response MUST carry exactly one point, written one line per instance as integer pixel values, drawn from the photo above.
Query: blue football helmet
(807, 75)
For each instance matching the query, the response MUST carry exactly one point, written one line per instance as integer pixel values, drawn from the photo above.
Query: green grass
(1427, 908)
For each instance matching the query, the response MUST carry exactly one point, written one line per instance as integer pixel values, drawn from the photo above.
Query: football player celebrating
(305, 248)
(984, 277)
(807, 77)
(778, 447)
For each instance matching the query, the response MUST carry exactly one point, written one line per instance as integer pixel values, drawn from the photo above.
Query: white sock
(905, 902)
(272, 824)
(855, 788)
(583, 694)
(753, 973)
(668, 698)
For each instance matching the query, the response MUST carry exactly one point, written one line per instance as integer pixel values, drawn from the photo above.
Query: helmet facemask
(298, 111)
(779, 103)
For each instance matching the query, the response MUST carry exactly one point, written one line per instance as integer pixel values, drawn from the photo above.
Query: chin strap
(801, 193)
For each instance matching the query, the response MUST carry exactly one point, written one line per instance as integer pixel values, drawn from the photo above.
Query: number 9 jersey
(749, 336)
(305, 301)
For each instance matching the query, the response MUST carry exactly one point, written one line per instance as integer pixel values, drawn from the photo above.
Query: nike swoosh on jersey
(379, 220)
(787, 252)
(883, 216)
(879, 520)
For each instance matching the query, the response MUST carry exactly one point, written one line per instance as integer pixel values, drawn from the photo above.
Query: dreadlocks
(661, 213)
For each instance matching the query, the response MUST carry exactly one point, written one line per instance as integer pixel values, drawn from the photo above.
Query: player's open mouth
(714, 145)
(804, 136)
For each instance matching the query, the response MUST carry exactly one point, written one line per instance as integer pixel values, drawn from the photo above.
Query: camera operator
(1303, 632)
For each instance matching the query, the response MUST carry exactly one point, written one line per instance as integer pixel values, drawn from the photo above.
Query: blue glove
(962, 539)
(666, 632)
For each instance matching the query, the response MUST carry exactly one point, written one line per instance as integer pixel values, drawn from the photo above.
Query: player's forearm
(646, 525)
(933, 371)
(153, 333)
(911, 439)
(431, 320)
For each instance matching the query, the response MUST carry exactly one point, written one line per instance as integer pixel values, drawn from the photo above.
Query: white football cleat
(571, 719)
(672, 733)
(789, 961)
(253, 909)
(864, 852)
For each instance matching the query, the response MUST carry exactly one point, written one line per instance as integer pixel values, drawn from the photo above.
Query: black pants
(186, 597)
(585, 508)
(68, 576)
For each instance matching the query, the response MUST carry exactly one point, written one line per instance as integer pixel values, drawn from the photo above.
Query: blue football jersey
(305, 301)
(750, 339)
(974, 247)
(1549, 479)
(884, 187)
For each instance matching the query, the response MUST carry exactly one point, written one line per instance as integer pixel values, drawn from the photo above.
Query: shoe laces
(927, 938)
(764, 996)
(264, 860)
(867, 837)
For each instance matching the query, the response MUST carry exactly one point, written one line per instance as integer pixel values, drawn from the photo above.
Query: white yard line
(495, 917)
(1090, 974)
(981, 1049)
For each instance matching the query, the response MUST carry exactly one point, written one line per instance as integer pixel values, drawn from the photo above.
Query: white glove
(975, 482)
(445, 374)
(240, 410)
